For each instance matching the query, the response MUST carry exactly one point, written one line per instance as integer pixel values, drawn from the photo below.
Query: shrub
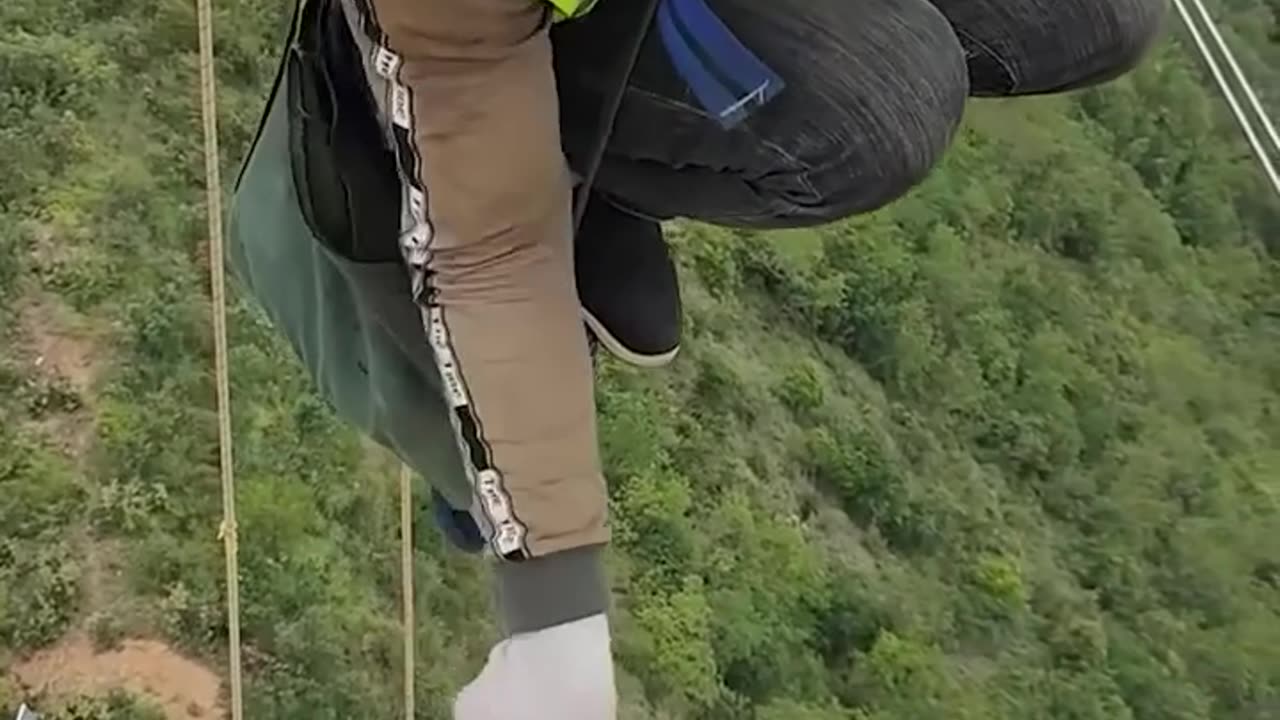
(107, 631)
(801, 389)
(680, 664)
(711, 254)
(39, 590)
(1000, 578)
(873, 490)
(115, 705)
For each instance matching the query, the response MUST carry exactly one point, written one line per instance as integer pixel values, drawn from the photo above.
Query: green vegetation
(113, 705)
(1009, 448)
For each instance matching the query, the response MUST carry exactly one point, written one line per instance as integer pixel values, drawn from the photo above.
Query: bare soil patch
(61, 348)
(184, 688)
(60, 344)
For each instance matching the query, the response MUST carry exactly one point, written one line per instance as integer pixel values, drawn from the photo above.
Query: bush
(1078, 642)
(116, 705)
(39, 591)
(794, 710)
(873, 490)
(712, 256)
(1000, 579)
(107, 632)
(652, 525)
(801, 389)
(12, 251)
(720, 389)
(790, 290)
(11, 696)
(850, 617)
(679, 664)
(129, 506)
(900, 667)
(45, 397)
(635, 432)
(40, 491)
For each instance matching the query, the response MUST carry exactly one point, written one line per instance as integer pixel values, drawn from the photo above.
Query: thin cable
(1226, 51)
(406, 586)
(213, 191)
(1258, 149)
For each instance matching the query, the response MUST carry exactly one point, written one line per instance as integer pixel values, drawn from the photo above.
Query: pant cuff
(550, 590)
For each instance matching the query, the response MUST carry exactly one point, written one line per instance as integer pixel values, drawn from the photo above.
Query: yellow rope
(213, 191)
(406, 585)
(227, 531)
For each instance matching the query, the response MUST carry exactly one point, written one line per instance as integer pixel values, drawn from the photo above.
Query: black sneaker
(627, 284)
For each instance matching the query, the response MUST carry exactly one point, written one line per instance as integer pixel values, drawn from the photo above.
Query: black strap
(294, 20)
(609, 113)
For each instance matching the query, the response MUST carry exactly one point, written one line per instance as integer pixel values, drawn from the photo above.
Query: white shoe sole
(622, 352)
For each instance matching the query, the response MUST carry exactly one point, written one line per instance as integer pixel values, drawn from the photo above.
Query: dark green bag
(313, 237)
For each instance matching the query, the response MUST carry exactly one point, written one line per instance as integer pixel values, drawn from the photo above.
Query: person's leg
(1030, 47)
(467, 96)
(874, 92)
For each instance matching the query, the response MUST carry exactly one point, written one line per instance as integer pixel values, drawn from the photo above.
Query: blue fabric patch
(729, 80)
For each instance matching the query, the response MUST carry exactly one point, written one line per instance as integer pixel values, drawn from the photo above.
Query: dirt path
(183, 688)
(62, 346)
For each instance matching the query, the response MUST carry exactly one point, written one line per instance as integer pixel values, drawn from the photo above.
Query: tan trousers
(469, 103)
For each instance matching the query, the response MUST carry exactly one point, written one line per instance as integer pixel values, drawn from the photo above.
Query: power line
(1240, 78)
(1236, 110)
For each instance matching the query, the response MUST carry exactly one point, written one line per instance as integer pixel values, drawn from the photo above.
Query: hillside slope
(1009, 448)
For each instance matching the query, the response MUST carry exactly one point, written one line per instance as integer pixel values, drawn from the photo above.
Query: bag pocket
(348, 185)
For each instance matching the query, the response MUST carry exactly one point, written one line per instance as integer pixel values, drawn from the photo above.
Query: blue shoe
(458, 526)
